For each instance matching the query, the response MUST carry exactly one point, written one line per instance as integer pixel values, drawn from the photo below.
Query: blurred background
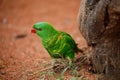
(21, 51)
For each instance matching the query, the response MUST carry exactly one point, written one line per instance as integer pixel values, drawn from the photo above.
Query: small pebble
(2, 72)
(21, 36)
(4, 20)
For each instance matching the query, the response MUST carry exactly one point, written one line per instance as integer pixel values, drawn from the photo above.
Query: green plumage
(58, 44)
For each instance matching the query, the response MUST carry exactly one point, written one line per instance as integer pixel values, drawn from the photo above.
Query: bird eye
(39, 29)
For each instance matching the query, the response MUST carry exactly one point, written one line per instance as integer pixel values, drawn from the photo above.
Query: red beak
(33, 31)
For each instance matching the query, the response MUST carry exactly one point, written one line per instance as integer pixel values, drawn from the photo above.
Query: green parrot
(58, 44)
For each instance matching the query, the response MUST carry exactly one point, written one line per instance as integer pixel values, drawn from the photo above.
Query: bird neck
(48, 35)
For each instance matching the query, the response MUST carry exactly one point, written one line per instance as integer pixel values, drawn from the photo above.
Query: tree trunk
(99, 22)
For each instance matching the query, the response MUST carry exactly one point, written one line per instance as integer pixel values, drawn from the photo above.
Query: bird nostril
(33, 31)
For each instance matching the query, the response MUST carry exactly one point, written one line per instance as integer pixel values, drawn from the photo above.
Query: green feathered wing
(61, 45)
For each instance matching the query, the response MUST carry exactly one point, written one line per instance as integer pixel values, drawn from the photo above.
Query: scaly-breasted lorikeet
(58, 44)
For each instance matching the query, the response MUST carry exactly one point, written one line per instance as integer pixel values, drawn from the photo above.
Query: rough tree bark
(99, 22)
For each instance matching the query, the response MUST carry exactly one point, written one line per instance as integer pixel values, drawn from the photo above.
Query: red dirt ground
(21, 51)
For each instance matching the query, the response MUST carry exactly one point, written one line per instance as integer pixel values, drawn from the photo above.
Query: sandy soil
(21, 51)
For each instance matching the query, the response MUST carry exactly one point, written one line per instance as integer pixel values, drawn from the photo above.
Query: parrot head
(44, 30)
